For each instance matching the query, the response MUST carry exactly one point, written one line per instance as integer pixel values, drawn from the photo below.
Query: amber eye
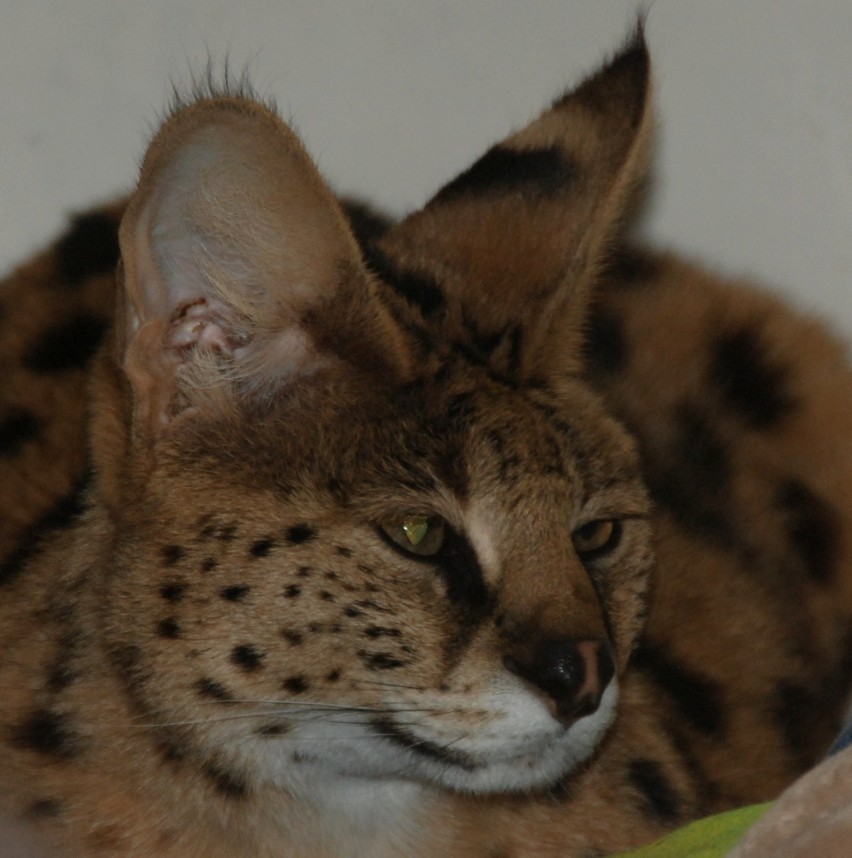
(596, 538)
(417, 534)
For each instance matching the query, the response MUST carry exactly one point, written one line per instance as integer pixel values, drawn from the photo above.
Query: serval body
(485, 534)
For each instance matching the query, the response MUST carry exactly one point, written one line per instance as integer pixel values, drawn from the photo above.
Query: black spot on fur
(751, 386)
(168, 628)
(380, 660)
(343, 551)
(333, 675)
(502, 170)
(419, 289)
(60, 516)
(300, 533)
(171, 554)
(235, 593)
(606, 348)
(247, 656)
(173, 592)
(367, 223)
(292, 637)
(261, 547)
(793, 708)
(66, 346)
(659, 796)
(292, 591)
(813, 529)
(44, 808)
(691, 477)
(381, 632)
(628, 266)
(17, 428)
(227, 783)
(89, 248)
(210, 688)
(48, 733)
(697, 698)
(296, 684)
(209, 564)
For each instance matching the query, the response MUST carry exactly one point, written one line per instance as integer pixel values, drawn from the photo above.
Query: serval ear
(504, 256)
(241, 275)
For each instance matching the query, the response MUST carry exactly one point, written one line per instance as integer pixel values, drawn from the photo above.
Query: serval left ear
(241, 276)
(512, 245)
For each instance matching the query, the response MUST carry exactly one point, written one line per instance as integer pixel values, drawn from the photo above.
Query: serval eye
(417, 534)
(596, 538)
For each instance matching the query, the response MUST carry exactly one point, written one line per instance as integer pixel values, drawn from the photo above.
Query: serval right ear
(241, 275)
(515, 241)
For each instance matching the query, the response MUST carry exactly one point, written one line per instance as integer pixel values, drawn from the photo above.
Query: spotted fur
(211, 645)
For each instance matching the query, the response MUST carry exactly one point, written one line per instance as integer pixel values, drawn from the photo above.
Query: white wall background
(754, 167)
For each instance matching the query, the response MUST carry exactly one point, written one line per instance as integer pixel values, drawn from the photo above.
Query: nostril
(572, 673)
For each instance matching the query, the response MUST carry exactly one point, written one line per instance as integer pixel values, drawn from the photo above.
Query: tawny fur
(193, 573)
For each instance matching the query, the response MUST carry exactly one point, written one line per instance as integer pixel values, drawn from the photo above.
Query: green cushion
(711, 837)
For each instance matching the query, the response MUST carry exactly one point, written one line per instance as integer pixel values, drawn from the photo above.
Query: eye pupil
(596, 537)
(421, 535)
(415, 528)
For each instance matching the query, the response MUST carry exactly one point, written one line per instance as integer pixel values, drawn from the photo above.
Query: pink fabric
(811, 819)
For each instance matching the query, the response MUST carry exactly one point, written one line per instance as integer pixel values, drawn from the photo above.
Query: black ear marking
(541, 171)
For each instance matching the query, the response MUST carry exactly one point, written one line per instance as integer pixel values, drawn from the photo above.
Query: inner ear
(234, 254)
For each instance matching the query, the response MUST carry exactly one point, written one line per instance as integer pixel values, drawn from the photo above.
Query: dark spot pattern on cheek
(173, 592)
(300, 533)
(261, 547)
(172, 554)
(49, 733)
(296, 684)
(215, 690)
(248, 657)
(168, 628)
(235, 593)
(227, 783)
(380, 660)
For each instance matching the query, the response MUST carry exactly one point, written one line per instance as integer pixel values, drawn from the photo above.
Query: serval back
(487, 533)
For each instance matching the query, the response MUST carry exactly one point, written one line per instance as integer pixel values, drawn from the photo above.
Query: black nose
(572, 673)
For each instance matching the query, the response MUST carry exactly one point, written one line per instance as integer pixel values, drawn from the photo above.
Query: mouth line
(408, 741)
